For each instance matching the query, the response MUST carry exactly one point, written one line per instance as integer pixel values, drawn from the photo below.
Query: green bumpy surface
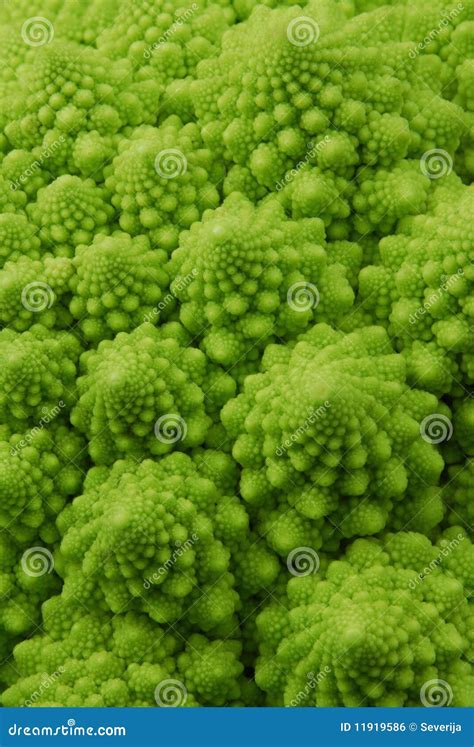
(332, 430)
(236, 332)
(379, 623)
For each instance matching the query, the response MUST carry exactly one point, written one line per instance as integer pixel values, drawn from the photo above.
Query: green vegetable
(236, 330)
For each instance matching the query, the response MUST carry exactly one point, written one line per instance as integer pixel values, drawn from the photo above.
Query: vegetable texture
(236, 309)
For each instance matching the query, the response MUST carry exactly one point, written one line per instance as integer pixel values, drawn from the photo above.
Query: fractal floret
(162, 180)
(380, 627)
(104, 660)
(423, 288)
(141, 393)
(145, 532)
(332, 430)
(244, 274)
(118, 284)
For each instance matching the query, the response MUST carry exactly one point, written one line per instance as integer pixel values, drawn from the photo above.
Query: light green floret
(351, 84)
(384, 196)
(162, 181)
(11, 200)
(211, 670)
(39, 469)
(118, 284)
(434, 123)
(247, 274)
(38, 373)
(168, 37)
(34, 291)
(25, 172)
(173, 44)
(66, 89)
(387, 625)
(458, 494)
(141, 394)
(17, 238)
(92, 153)
(423, 288)
(464, 425)
(26, 580)
(84, 22)
(69, 212)
(123, 660)
(146, 536)
(332, 430)
(427, 28)
(18, 11)
(13, 52)
(310, 192)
